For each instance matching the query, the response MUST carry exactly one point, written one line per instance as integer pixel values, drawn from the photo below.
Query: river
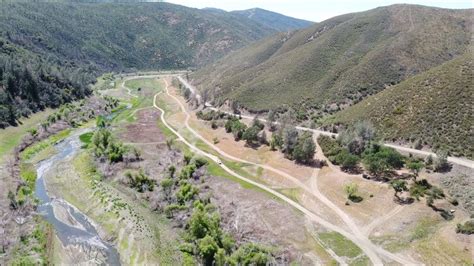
(74, 229)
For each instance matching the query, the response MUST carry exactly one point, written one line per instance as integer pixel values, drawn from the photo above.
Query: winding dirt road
(356, 236)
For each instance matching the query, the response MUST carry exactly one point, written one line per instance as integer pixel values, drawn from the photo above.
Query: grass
(34, 249)
(11, 136)
(340, 245)
(34, 149)
(86, 138)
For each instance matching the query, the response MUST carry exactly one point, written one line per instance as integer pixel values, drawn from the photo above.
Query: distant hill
(274, 20)
(61, 47)
(434, 108)
(338, 62)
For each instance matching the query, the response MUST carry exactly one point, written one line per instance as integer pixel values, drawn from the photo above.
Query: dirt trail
(370, 253)
(358, 237)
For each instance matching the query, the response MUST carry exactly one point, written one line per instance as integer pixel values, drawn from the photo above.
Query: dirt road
(356, 236)
(455, 160)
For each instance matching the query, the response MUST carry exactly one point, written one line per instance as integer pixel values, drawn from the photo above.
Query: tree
(357, 137)
(167, 185)
(251, 135)
(238, 129)
(290, 139)
(305, 148)
(262, 138)
(276, 141)
(398, 186)
(351, 190)
(220, 258)
(271, 119)
(207, 248)
(441, 163)
(257, 123)
(415, 167)
(380, 160)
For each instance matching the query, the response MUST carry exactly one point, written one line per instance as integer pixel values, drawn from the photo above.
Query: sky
(315, 10)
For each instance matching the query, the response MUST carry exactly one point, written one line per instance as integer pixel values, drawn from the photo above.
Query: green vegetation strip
(34, 149)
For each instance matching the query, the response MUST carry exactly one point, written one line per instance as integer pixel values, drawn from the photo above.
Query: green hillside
(274, 20)
(50, 52)
(338, 62)
(434, 108)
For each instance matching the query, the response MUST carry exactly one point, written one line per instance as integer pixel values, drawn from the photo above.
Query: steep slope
(49, 52)
(434, 107)
(274, 20)
(340, 61)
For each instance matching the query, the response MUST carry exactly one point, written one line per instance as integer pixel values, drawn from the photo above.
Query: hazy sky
(315, 10)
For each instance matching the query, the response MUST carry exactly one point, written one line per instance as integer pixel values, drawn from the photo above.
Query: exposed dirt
(254, 217)
(144, 129)
(376, 211)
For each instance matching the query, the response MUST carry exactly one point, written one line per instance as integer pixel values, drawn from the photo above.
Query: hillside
(62, 47)
(274, 20)
(433, 108)
(338, 62)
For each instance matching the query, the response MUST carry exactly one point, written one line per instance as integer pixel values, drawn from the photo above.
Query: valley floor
(262, 196)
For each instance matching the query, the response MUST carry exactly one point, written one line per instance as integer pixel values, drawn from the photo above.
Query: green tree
(415, 167)
(251, 135)
(290, 139)
(351, 190)
(276, 142)
(434, 193)
(207, 249)
(305, 148)
(220, 257)
(398, 186)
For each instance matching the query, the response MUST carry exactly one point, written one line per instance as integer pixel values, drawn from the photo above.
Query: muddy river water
(74, 229)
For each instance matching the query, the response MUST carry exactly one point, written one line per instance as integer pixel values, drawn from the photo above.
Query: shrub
(140, 181)
(467, 228)
(441, 163)
(329, 146)
(252, 254)
(186, 192)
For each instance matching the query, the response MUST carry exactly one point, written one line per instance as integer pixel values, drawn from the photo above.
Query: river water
(76, 230)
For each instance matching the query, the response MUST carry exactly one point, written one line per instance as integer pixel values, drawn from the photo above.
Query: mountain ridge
(338, 62)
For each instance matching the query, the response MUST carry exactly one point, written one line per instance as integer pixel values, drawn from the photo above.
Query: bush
(441, 163)
(186, 192)
(467, 228)
(252, 254)
(140, 181)
(329, 146)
